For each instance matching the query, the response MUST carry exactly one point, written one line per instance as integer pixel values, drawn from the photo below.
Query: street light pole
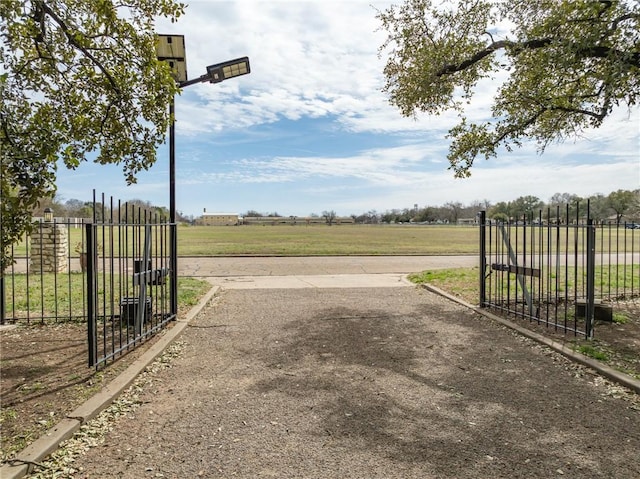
(172, 162)
(171, 49)
(173, 227)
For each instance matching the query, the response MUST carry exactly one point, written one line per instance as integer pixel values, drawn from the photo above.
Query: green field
(312, 240)
(319, 240)
(302, 240)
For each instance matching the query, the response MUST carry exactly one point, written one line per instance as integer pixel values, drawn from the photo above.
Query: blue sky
(309, 129)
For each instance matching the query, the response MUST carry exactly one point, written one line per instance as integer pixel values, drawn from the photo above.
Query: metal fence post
(483, 257)
(91, 295)
(173, 266)
(591, 268)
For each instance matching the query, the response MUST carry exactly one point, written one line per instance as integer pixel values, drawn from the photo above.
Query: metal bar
(100, 233)
(566, 268)
(55, 271)
(591, 261)
(173, 258)
(633, 251)
(173, 233)
(172, 162)
(142, 292)
(91, 288)
(548, 264)
(41, 248)
(108, 249)
(540, 262)
(493, 252)
(516, 252)
(122, 238)
(200, 79)
(601, 252)
(483, 258)
(519, 270)
(2, 298)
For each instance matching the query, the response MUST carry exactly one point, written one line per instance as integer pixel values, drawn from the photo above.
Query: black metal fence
(97, 271)
(562, 272)
(46, 281)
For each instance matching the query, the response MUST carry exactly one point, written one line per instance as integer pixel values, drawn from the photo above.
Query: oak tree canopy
(79, 80)
(560, 67)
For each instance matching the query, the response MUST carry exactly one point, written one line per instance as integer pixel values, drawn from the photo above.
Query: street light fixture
(171, 48)
(221, 71)
(230, 69)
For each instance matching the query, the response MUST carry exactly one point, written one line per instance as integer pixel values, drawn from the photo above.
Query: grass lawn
(314, 240)
(64, 295)
(311, 240)
(319, 240)
(461, 282)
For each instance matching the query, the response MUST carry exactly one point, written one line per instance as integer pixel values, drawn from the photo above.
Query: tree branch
(75, 43)
(630, 58)
(493, 47)
(596, 51)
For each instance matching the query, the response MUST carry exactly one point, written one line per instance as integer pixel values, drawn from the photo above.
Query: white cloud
(315, 64)
(307, 59)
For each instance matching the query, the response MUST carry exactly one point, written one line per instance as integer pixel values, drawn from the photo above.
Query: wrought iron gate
(130, 286)
(559, 272)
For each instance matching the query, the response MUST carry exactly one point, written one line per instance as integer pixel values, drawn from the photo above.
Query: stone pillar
(49, 248)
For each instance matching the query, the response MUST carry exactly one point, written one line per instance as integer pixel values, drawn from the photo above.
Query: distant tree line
(617, 206)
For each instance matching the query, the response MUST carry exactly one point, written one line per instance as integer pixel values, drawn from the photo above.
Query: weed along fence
(112, 273)
(561, 272)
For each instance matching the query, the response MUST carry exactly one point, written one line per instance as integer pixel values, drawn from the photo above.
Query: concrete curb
(602, 369)
(37, 451)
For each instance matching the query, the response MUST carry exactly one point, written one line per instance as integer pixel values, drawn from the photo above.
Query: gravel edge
(47, 444)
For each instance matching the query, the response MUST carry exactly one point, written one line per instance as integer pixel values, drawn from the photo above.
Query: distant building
(293, 220)
(220, 219)
(468, 221)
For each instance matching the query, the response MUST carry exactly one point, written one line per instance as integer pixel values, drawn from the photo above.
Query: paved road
(315, 272)
(317, 265)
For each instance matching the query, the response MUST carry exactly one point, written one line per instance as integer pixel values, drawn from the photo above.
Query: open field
(339, 240)
(315, 240)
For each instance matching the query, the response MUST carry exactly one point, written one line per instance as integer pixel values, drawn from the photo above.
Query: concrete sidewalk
(312, 281)
(317, 265)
